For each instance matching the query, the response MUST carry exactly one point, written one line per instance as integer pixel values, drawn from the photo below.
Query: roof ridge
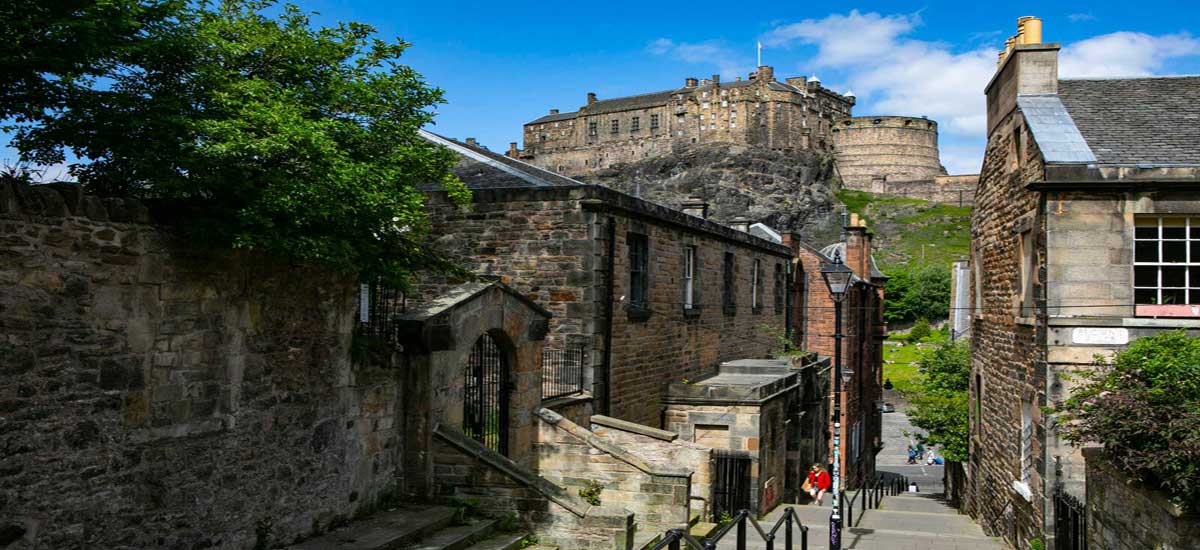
(1144, 77)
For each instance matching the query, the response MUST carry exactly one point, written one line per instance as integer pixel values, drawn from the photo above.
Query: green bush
(591, 493)
(1144, 407)
(919, 331)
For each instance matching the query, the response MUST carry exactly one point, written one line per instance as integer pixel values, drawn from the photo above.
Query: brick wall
(154, 396)
(1129, 516)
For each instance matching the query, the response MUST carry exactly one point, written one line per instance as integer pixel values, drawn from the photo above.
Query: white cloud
(893, 74)
(1077, 17)
(1125, 54)
(715, 53)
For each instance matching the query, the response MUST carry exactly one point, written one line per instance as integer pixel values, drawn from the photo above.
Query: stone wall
(154, 396)
(888, 148)
(1129, 516)
(551, 245)
(1007, 361)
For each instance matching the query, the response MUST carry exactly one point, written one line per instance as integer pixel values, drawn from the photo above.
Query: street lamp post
(837, 278)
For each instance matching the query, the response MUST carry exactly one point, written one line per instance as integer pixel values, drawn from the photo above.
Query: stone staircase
(413, 527)
(908, 521)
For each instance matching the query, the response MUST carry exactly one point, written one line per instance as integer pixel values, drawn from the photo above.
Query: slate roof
(482, 169)
(840, 248)
(555, 118)
(1054, 130)
(1143, 121)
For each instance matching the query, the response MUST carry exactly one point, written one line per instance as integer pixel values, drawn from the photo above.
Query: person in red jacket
(818, 482)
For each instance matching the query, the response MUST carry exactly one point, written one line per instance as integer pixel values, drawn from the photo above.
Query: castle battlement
(797, 114)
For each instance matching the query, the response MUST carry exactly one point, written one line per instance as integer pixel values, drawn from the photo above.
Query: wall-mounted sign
(1100, 336)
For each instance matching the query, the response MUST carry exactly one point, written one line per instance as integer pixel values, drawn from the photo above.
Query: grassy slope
(908, 229)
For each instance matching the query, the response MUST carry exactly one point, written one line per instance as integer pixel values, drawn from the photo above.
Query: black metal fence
(678, 539)
(485, 403)
(562, 371)
(1070, 521)
(870, 497)
(378, 308)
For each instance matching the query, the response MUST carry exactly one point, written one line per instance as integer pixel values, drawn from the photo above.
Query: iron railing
(379, 306)
(562, 371)
(872, 496)
(676, 539)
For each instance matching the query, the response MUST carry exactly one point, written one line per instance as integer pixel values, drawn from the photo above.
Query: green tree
(917, 293)
(1144, 407)
(267, 133)
(941, 407)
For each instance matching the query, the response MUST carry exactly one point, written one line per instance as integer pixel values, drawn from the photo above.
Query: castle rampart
(897, 155)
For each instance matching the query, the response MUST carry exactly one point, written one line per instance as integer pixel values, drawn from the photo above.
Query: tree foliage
(268, 133)
(1144, 407)
(916, 293)
(941, 407)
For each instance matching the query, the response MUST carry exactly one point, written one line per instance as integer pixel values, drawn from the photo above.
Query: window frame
(729, 283)
(615, 125)
(638, 245)
(689, 277)
(779, 288)
(635, 124)
(1190, 265)
(593, 129)
(756, 286)
(654, 121)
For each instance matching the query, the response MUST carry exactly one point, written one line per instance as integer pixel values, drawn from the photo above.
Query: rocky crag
(790, 191)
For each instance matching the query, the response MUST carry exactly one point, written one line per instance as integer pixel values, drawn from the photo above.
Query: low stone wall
(1129, 516)
(958, 190)
(656, 493)
(153, 396)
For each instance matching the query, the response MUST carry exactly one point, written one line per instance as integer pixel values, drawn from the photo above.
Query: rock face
(788, 191)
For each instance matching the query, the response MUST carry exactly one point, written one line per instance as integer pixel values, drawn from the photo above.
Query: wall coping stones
(514, 471)
(1095, 457)
(558, 421)
(632, 427)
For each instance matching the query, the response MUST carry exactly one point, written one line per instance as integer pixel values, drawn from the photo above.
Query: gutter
(610, 275)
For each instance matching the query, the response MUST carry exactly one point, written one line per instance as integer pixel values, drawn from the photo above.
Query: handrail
(676, 539)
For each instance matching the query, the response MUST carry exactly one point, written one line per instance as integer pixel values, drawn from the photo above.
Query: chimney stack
(591, 98)
(690, 82)
(1027, 66)
(716, 81)
(695, 206)
(858, 247)
(554, 111)
(740, 223)
(766, 72)
(471, 141)
(512, 149)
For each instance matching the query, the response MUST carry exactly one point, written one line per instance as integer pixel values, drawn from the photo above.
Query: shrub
(941, 405)
(919, 331)
(591, 493)
(916, 293)
(1144, 407)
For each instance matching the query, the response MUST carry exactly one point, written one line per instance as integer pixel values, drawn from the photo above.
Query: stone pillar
(858, 247)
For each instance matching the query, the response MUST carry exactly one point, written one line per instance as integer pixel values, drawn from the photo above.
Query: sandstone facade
(1129, 516)
(794, 115)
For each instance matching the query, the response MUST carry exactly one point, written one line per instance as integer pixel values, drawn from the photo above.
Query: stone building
(897, 155)
(1080, 244)
(793, 115)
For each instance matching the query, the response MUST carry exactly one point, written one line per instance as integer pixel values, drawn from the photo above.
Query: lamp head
(837, 276)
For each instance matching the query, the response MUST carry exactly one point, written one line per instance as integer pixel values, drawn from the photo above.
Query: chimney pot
(740, 223)
(591, 98)
(471, 141)
(690, 82)
(695, 206)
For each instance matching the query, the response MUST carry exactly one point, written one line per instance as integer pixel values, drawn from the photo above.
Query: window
(755, 285)
(635, 124)
(653, 122)
(1166, 264)
(733, 125)
(780, 282)
(724, 103)
(727, 285)
(689, 277)
(592, 129)
(1025, 248)
(704, 105)
(638, 252)
(616, 126)
(1026, 441)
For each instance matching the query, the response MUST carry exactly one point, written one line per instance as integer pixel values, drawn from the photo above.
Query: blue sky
(504, 63)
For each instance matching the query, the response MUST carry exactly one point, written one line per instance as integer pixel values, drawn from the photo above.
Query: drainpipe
(610, 276)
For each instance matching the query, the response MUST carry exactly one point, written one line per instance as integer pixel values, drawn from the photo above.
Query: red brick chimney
(858, 247)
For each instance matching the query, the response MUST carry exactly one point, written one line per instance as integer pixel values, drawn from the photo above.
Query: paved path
(908, 521)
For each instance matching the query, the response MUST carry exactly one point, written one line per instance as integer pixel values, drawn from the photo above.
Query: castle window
(756, 286)
(704, 94)
(592, 129)
(733, 114)
(704, 105)
(635, 124)
(733, 124)
(543, 137)
(689, 277)
(777, 287)
(616, 126)
(724, 103)
(701, 117)
(712, 126)
(653, 122)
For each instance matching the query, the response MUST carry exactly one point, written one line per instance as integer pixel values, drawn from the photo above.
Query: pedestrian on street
(818, 483)
(912, 455)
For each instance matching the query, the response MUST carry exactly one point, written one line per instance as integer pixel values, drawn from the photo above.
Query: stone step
(458, 537)
(917, 504)
(500, 541)
(944, 524)
(385, 530)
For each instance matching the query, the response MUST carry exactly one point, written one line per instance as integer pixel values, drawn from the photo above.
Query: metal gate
(731, 490)
(485, 396)
(1070, 522)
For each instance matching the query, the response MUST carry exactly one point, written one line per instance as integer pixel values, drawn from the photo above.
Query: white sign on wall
(1101, 336)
